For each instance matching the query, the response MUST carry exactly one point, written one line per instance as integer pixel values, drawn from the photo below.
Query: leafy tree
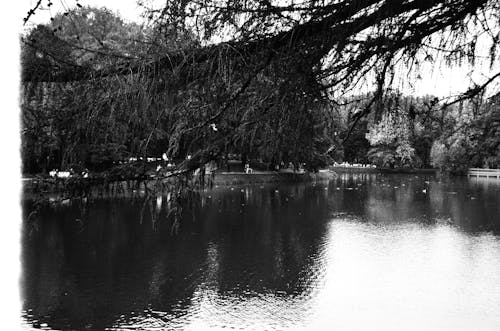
(439, 155)
(392, 135)
(278, 64)
(80, 123)
(459, 144)
(488, 138)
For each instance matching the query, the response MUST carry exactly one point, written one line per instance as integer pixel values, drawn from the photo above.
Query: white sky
(128, 9)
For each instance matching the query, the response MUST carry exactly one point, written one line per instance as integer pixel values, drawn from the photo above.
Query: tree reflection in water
(110, 263)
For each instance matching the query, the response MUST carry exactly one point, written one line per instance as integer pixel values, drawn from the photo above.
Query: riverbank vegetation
(301, 82)
(422, 132)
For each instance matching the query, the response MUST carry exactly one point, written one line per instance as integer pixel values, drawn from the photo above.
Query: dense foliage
(265, 79)
(422, 132)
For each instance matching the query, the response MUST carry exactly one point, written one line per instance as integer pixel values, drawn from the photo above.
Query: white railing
(478, 172)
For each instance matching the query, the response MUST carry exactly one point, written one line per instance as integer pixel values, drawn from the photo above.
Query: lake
(363, 251)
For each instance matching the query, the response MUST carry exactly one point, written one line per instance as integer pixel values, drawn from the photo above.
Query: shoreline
(384, 170)
(241, 178)
(238, 177)
(31, 185)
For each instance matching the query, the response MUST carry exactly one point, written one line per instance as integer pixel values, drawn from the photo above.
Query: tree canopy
(267, 74)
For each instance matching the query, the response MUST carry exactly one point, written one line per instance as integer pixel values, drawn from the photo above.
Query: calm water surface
(383, 252)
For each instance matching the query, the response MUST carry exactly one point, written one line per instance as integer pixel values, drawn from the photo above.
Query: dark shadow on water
(86, 269)
(92, 265)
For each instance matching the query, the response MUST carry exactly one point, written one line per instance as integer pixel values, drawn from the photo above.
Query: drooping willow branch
(325, 47)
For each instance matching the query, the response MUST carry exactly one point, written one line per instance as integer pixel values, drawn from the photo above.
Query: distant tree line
(420, 132)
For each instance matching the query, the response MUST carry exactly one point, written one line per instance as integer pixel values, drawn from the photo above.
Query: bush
(452, 158)
(438, 155)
